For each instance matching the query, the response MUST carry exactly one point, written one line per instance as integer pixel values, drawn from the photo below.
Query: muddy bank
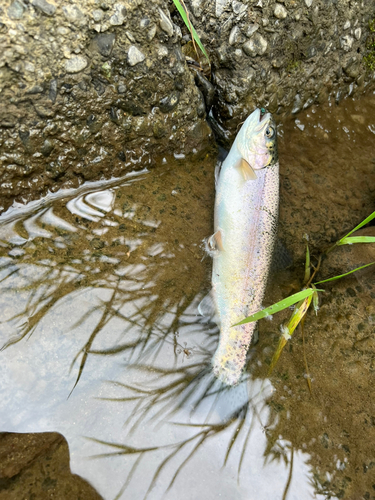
(90, 91)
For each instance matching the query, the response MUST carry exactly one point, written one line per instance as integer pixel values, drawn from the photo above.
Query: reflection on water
(103, 343)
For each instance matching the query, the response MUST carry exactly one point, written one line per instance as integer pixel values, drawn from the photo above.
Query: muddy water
(103, 343)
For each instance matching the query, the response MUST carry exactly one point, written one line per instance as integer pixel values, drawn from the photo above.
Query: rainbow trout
(246, 213)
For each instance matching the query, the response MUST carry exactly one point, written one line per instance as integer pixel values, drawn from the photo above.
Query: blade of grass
(361, 224)
(279, 306)
(356, 239)
(185, 16)
(342, 275)
(288, 330)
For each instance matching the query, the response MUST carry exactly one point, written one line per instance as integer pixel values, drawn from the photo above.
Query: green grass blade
(363, 223)
(356, 239)
(279, 306)
(183, 14)
(346, 274)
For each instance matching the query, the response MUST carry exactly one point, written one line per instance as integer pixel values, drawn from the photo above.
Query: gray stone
(236, 36)
(75, 64)
(256, 46)
(16, 9)
(358, 33)
(280, 11)
(135, 56)
(145, 22)
(346, 25)
(168, 103)
(297, 105)
(121, 89)
(47, 8)
(73, 14)
(238, 7)
(52, 94)
(196, 7)
(151, 33)
(220, 6)
(308, 3)
(252, 29)
(346, 42)
(118, 17)
(165, 23)
(104, 43)
(97, 15)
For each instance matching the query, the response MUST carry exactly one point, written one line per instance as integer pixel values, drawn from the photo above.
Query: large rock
(285, 54)
(90, 90)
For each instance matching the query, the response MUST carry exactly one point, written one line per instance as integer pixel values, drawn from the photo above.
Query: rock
(280, 11)
(346, 42)
(252, 28)
(165, 23)
(75, 64)
(256, 46)
(97, 15)
(221, 5)
(151, 33)
(170, 102)
(47, 8)
(47, 148)
(358, 33)
(238, 7)
(236, 36)
(206, 87)
(346, 25)
(16, 10)
(118, 18)
(308, 3)
(73, 14)
(135, 56)
(104, 43)
(297, 105)
(52, 94)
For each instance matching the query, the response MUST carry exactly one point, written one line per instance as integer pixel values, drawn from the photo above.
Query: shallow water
(103, 343)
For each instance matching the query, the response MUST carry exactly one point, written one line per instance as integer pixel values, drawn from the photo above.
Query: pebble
(104, 43)
(47, 8)
(165, 23)
(151, 33)
(252, 29)
(308, 3)
(236, 36)
(119, 16)
(135, 56)
(73, 14)
(97, 15)
(220, 6)
(162, 52)
(170, 102)
(358, 33)
(280, 11)
(346, 42)
(346, 25)
(238, 7)
(16, 10)
(75, 64)
(256, 46)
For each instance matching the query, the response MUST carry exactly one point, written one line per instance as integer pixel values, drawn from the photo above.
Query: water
(103, 343)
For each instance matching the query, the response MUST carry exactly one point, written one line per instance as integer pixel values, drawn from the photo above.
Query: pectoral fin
(214, 243)
(246, 170)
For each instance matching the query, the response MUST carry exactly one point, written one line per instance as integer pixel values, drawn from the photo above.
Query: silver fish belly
(246, 212)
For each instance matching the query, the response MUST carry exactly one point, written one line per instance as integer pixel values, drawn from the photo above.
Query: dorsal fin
(246, 170)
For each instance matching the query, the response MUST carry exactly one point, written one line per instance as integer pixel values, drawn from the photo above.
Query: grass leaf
(184, 15)
(279, 306)
(363, 223)
(346, 274)
(356, 239)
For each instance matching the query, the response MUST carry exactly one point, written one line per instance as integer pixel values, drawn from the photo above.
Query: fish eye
(270, 132)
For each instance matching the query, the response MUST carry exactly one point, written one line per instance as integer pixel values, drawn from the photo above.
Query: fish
(245, 227)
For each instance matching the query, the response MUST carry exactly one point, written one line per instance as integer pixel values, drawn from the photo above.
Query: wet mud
(103, 343)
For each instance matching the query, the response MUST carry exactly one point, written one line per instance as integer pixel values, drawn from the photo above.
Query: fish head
(257, 140)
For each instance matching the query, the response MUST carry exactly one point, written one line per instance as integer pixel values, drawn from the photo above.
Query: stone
(280, 11)
(256, 46)
(151, 33)
(135, 56)
(252, 28)
(165, 23)
(236, 36)
(196, 7)
(238, 7)
(346, 42)
(220, 6)
(16, 10)
(308, 3)
(358, 33)
(75, 64)
(297, 105)
(104, 43)
(170, 102)
(97, 15)
(346, 25)
(73, 14)
(118, 17)
(47, 8)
